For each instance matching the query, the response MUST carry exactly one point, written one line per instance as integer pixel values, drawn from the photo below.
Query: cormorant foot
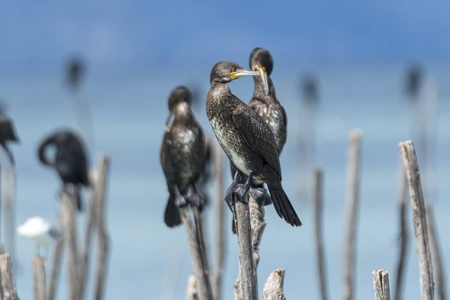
(180, 201)
(261, 195)
(240, 192)
(229, 199)
(197, 200)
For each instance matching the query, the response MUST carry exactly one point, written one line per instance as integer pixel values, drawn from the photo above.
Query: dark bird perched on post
(182, 156)
(309, 90)
(7, 134)
(75, 70)
(414, 81)
(247, 140)
(70, 159)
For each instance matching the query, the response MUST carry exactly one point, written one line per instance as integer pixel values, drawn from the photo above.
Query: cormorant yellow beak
(265, 79)
(243, 72)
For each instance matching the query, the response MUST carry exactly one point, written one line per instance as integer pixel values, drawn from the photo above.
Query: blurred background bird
(7, 134)
(70, 159)
(40, 231)
(182, 156)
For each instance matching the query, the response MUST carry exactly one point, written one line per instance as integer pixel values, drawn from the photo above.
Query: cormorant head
(261, 60)
(178, 95)
(226, 71)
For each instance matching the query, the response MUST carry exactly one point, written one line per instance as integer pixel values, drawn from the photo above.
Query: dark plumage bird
(247, 140)
(414, 81)
(7, 134)
(75, 71)
(182, 156)
(70, 158)
(264, 100)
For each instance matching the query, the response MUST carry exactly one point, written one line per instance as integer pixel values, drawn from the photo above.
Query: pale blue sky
(41, 34)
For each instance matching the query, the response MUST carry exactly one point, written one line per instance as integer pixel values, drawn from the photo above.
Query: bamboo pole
(318, 213)
(8, 284)
(103, 236)
(273, 288)
(354, 161)
(39, 278)
(381, 285)
(436, 253)
(197, 258)
(247, 287)
(220, 217)
(420, 224)
(69, 210)
(404, 236)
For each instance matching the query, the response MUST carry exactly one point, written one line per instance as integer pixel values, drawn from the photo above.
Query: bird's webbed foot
(229, 199)
(179, 200)
(261, 195)
(196, 198)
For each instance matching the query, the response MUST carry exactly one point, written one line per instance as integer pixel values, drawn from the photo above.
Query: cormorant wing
(257, 134)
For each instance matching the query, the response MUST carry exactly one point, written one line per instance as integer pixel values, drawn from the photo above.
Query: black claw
(240, 192)
(261, 195)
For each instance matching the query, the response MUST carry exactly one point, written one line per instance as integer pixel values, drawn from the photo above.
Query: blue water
(150, 261)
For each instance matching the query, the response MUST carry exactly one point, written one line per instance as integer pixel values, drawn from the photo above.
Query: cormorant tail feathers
(283, 206)
(171, 215)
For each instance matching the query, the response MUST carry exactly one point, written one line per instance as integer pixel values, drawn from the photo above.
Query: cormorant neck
(259, 92)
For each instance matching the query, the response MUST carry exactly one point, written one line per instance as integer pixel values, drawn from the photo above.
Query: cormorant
(266, 104)
(7, 134)
(70, 160)
(75, 70)
(246, 139)
(182, 155)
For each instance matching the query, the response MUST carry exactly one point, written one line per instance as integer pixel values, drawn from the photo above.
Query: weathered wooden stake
(191, 291)
(8, 284)
(354, 162)
(248, 288)
(404, 236)
(103, 236)
(9, 212)
(381, 285)
(273, 288)
(39, 278)
(318, 213)
(220, 217)
(56, 264)
(420, 223)
(69, 211)
(436, 253)
(197, 258)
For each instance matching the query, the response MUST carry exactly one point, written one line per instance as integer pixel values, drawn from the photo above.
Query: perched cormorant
(7, 134)
(413, 81)
(182, 155)
(246, 139)
(70, 159)
(265, 103)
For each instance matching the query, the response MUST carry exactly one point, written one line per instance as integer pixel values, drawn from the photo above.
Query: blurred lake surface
(151, 261)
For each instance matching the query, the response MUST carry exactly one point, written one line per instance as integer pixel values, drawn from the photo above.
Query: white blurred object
(39, 230)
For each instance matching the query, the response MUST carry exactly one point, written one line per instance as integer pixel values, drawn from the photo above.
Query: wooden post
(8, 284)
(354, 161)
(318, 213)
(381, 285)
(56, 264)
(69, 210)
(220, 217)
(39, 278)
(404, 236)
(420, 223)
(9, 212)
(103, 236)
(197, 258)
(248, 288)
(191, 291)
(436, 253)
(273, 288)
(91, 222)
